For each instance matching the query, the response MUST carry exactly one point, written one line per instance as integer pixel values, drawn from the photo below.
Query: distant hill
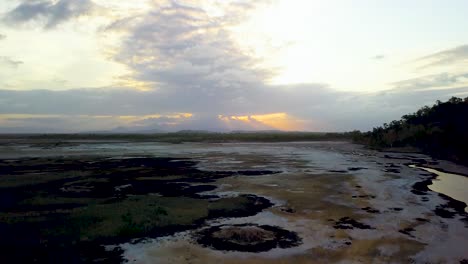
(440, 130)
(188, 131)
(125, 130)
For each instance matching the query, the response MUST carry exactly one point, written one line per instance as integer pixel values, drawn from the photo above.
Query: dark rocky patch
(420, 188)
(391, 170)
(407, 231)
(256, 172)
(451, 208)
(349, 223)
(357, 168)
(465, 220)
(458, 206)
(338, 171)
(287, 210)
(371, 210)
(397, 209)
(424, 220)
(368, 196)
(247, 238)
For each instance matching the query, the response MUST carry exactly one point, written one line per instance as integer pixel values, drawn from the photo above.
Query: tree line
(440, 130)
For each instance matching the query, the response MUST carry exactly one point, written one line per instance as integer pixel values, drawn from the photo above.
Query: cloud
(446, 57)
(2, 37)
(9, 62)
(188, 58)
(183, 47)
(378, 57)
(322, 108)
(433, 81)
(51, 13)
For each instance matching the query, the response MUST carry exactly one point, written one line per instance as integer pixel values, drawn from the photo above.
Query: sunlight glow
(279, 121)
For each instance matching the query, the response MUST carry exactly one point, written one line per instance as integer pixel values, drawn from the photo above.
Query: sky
(167, 65)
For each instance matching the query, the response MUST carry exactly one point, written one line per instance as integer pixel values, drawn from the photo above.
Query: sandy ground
(320, 184)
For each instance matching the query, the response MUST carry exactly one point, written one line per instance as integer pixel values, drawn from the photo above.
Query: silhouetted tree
(440, 130)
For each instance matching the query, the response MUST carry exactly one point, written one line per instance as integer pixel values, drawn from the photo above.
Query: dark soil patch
(407, 231)
(451, 208)
(349, 223)
(256, 172)
(356, 168)
(392, 165)
(367, 196)
(371, 210)
(420, 188)
(288, 210)
(247, 238)
(338, 171)
(391, 170)
(424, 220)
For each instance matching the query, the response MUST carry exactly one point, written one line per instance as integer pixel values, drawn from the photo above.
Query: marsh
(153, 202)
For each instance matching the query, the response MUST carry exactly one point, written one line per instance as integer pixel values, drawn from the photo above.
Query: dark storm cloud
(50, 12)
(446, 57)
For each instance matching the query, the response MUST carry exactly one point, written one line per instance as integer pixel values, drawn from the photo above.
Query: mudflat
(149, 202)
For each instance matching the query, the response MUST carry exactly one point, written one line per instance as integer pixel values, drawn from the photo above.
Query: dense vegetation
(440, 130)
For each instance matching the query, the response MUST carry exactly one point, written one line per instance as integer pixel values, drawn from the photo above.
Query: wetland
(98, 201)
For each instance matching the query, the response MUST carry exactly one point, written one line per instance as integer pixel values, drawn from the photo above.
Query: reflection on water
(453, 185)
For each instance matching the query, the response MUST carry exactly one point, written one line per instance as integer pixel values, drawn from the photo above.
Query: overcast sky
(329, 65)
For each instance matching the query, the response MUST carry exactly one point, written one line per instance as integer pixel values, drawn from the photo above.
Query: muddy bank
(451, 207)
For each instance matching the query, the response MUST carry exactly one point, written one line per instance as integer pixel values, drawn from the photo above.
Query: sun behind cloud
(279, 121)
